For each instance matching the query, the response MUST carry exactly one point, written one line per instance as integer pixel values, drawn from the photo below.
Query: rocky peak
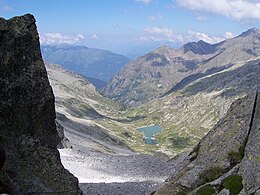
(251, 32)
(199, 47)
(164, 50)
(27, 114)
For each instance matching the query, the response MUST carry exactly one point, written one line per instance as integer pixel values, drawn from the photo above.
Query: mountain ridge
(200, 47)
(89, 62)
(154, 74)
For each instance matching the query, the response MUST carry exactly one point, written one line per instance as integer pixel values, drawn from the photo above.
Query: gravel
(131, 188)
(105, 168)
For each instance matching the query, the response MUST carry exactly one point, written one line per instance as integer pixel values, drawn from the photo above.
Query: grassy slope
(188, 114)
(79, 101)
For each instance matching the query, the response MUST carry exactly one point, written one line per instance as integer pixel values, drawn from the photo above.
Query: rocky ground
(100, 173)
(130, 188)
(226, 160)
(105, 168)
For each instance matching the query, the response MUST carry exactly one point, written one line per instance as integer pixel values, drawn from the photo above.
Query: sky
(134, 27)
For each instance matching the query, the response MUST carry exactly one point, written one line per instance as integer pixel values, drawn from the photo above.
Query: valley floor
(119, 171)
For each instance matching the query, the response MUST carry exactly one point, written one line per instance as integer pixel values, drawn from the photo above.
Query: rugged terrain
(100, 131)
(187, 114)
(226, 160)
(96, 64)
(99, 139)
(166, 70)
(27, 114)
(100, 155)
(186, 110)
(80, 106)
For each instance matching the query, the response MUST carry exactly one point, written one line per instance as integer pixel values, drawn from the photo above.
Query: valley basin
(149, 132)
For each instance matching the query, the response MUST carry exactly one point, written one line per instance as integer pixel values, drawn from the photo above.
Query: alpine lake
(149, 132)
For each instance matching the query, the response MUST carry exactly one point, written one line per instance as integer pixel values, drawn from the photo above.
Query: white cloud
(167, 35)
(58, 38)
(229, 35)
(155, 17)
(237, 9)
(146, 2)
(196, 36)
(161, 35)
(94, 37)
(203, 36)
(115, 25)
(201, 18)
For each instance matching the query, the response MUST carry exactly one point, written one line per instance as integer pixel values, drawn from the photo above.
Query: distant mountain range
(166, 70)
(88, 62)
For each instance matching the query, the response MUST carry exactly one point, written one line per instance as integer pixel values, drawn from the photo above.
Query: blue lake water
(149, 132)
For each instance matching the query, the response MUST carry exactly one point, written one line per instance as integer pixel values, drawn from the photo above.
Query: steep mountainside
(99, 84)
(185, 114)
(101, 140)
(82, 110)
(189, 112)
(166, 70)
(89, 62)
(226, 160)
(27, 114)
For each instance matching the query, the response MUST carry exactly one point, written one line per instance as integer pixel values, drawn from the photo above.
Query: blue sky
(133, 27)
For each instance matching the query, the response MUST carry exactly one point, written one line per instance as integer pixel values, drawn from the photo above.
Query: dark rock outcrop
(27, 114)
(64, 142)
(199, 47)
(226, 159)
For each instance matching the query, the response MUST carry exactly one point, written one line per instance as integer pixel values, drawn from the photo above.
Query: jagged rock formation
(200, 47)
(27, 114)
(164, 70)
(226, 159)
(64, 142)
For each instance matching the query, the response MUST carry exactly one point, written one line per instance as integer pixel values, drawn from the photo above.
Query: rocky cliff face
(226, 160)
(27, 114)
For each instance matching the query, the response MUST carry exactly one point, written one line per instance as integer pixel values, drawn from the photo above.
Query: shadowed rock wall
(27, 114)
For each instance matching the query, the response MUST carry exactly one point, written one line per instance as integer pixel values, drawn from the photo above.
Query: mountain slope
(89, 62)
(165, 70)
(200, 47)
(226, 160)
(82, 110)
(188, 113)
(185, 114)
